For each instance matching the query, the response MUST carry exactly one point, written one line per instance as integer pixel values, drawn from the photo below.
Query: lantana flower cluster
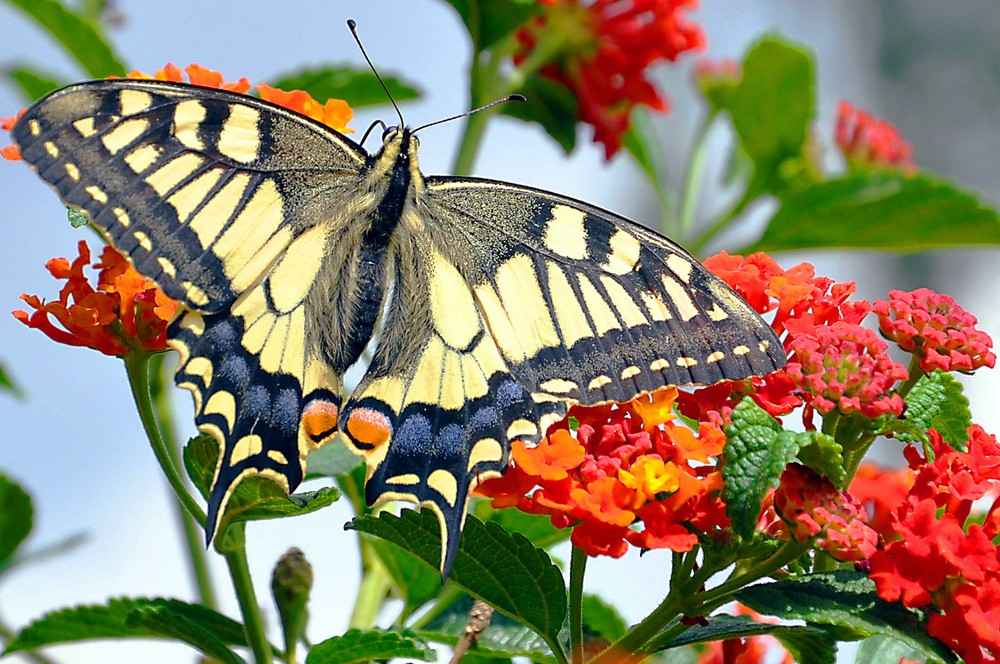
(602, 50)
(866, 140)
(125, 312)
(629, 474)
(942, 556)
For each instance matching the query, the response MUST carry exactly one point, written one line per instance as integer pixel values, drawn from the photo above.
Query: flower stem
(235, 552)
(193, 537)
(916, 373)
(698, 244)
(693, 177)
(137, 367)
(375, 584)
(577, 569)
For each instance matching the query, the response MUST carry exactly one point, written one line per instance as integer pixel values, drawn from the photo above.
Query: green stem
(193, 537)
(445, 600)
(235, 552)
(375, 585)
(696, 246)
(137, 368)
(916, 373)
(693, 177)
(577, 569)
(719, 595)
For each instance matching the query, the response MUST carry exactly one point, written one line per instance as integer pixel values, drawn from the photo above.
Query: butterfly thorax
(390, 181)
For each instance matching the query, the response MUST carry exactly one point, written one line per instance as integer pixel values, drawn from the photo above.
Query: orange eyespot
(319, 419)
(369, 427)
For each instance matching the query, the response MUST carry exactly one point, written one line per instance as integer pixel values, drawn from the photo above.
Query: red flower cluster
(938, 554)
(811, 506)
(631, 475)
(124, 314)
(602, 50)
(866, 140)
(845, 367)
(940, 333)
(334, 113)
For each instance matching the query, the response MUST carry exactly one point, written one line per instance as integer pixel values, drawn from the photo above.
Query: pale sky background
(75, 442)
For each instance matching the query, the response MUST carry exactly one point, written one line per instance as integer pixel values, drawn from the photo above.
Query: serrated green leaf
(884, 650)
(826, 456)
(76, 218)
(502, 569)
(602, 619)
(502, 638)
(33, 83)
(845, 603)
(809, 645)
(82, 38)
(331, 460)
(550, 105)
(167, 622)
(359, 646)
(489, 21)
(128, 618)
(16, 518)
(537, 528)
(755, 456)
(880, 210)
(772, 108)
(938, 401)
(415, 583)
(255, 498)
(358, 87)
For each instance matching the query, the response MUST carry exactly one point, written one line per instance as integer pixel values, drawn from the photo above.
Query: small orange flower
(124, 314)
(196, 75)
(334, 113)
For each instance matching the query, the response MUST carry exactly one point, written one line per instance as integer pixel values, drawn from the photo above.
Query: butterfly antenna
(353, 26)
(502, 100)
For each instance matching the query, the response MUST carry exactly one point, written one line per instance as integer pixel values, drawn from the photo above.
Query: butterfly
(494, 307)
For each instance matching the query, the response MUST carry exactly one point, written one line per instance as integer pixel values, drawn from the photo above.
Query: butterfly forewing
(232, 206)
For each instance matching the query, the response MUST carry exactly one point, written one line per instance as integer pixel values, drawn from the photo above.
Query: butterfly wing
(230, 205)
(512, 304)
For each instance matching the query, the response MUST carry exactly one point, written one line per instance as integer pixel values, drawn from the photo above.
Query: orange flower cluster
(124, 314)
(335, 113)
(631, 474)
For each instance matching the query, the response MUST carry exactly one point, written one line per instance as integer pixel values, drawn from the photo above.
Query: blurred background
(74, 441)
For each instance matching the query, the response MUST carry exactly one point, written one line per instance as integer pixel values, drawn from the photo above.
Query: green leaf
(331, 460)
(34, 84)
(826, 456)
(550, 105)
(414, 582)
(845, 603)
(537, 528)
(76, 218)
(809, 645)
(256, 498)
(603, 619)
(772, 108)
(502, 638)
(502, 569)
(8, 385)
(81, 37)
(359, 646)
(489, 21)
(16, 518)
(937, 401)
(755, 456)
(884, 650)
(880, 210)
(196, 625)
(358, 87)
